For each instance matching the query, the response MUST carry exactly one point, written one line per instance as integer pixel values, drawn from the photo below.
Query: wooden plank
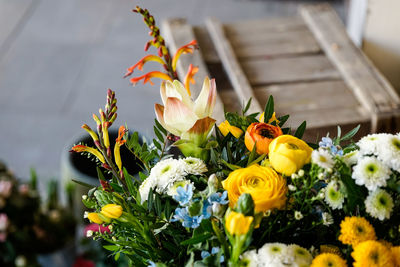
(206, 45)
(367, 83)
(178, 32)
(13, 15)
(231, 64)
(315, 96)
(260, 26)
(293, 69)
(274, 44)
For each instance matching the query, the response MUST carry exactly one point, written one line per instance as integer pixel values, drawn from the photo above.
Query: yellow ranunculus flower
(225, 127)
(94, 217)
(266, 187)
(238, 224)
(288, 154)
(112, 211)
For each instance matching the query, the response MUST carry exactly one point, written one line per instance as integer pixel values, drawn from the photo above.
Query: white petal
(178, 116)
(205, 102)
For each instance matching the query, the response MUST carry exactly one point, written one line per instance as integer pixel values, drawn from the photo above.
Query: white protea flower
(272, 254)
(379, 204)
(351, 158)
(250, 258)
(327, 219)
(322, 158)
(334, 194)
(194, 165)
(371, 172)
(172, 189)
(144, 188)
(369, 144)
(389, 151)
(167, 172)
(301, 256)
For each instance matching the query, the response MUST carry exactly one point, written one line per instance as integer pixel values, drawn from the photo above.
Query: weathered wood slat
(368, 84)
(206, 45)
(295, 69)
(316, 96)
(178, 32)
(231, 64)
(274, 44)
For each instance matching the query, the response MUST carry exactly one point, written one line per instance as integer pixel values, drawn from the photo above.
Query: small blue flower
(151, 264)
(326, 142)
(205, 254)
(336, 151)
(184, 194)
(207, 209)
(182, 214)
(219, 198)
(214, 250)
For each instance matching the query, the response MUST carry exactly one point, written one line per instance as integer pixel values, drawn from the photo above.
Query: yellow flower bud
(112, 211)
(94, 217)
(288, 154)
(226, 128)
(238, 224)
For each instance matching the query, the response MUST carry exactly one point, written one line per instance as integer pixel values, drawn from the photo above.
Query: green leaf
(129, 182)
(230, 166)
(355, 194)
(253, 154)
(269, 109)
(282, 120)
(300, 131)
(150, 199)
(82, 183)
(158, 134)
(246, 108)
(111, 247)
(157, 204)
(157, 144)
(196, 239)
(286, 130)
(350, 134)
(160, 127)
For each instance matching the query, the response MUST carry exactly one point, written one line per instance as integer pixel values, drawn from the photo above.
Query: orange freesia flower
(261, 134)
(188, 48)
(189, 77)
(139, 65)
(147, 77)
(91, 150)
(118, 143)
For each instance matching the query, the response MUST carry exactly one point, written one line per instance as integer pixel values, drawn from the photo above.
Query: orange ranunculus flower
(288, 154)
(266, 187)
(261, 134)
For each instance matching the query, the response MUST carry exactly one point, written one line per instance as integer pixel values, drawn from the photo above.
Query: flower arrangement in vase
(249, 192)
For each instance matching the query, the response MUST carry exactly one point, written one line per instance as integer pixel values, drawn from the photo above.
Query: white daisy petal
(389, 151)
(371, 172)
(194, 165)
(379, 204)
(322, 158)
(334, 194)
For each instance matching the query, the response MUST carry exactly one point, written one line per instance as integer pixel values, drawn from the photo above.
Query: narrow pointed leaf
(300, 131)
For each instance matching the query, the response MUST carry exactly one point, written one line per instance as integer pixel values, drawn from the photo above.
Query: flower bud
(213, 183)
(245, 204)
(94, 217)
(112, 211)
(238, 224)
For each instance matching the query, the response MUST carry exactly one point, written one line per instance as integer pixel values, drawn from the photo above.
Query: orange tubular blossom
(261, 134)
(147, 77)
(139, 65)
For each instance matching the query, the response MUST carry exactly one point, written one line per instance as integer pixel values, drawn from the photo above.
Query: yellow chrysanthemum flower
(372, 253)
(354, 230)
(396, 255)
(328, 260)
(330, 249)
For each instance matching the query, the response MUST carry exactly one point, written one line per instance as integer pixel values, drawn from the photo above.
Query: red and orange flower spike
(148, 76)
(139, 65)
(91, 150)
(189, 77)
(188, 48)
(118, 143)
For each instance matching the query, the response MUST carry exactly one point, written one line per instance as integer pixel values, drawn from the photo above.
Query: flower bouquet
(249, 192)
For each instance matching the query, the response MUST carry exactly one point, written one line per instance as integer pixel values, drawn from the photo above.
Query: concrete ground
(57, 59)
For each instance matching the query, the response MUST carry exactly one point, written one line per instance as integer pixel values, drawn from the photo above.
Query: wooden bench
(308, 63)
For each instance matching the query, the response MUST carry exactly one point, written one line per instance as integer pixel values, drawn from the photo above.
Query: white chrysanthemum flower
(389, 151)
(144, 188)
(298, 215)
(334, 194)
(322, 158)
(194, 165)
(167, 172)
(301, 256)
(369, 144)
(371, 172)
(272, 254)
(251, 258)
(327, 219)
(89, 233)
(351, 158)
(379, 204)
(172, 189)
